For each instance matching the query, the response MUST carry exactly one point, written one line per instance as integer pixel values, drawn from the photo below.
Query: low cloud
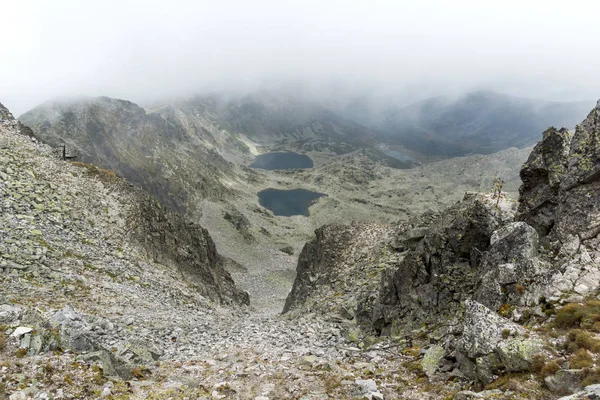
(405, 51)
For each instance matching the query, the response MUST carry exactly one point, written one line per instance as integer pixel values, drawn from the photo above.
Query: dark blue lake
(288, 202)
(282, 160)
(398, 156)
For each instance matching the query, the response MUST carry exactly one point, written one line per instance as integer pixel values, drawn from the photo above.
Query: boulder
(483, 329)
(565, 381)
(491, 345)
(509, 265)
(74, 331)
(469, 395)
(431, 360)
(517, 354)
(10, 314)
(591, 392)
(111, 366)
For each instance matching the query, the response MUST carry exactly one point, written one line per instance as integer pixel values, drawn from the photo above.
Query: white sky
(144, 50)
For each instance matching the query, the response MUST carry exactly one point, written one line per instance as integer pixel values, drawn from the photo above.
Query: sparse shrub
(538, 363)
(550, 368)
(105, 175)
(578, 315)
(506, 310)
(581, 359)
(519, 288)
(545, 368)
(508, 381)
(20, 353)
(591, 376)
(331, 382)
(2, 341)
(505, 333)
(411, 351)
(140, 372)
(580, 339)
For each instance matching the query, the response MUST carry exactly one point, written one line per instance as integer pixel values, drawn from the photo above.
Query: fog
(398, 50)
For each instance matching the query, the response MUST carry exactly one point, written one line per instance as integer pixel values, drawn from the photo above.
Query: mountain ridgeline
(480, 122)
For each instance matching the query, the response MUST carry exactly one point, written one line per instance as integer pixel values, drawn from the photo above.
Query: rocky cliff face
(560, 179)
(474, 279)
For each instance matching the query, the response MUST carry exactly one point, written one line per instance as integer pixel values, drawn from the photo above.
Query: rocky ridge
(482, 286)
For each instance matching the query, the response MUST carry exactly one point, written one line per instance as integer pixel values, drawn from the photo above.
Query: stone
(10, 313)
(591, 392)
(142, 352)
(469, 395)
(111, 366)
(517, 353)
(364, 386)
(20, 395)
(20, 331)
(565, 381)
(431, 360)
(376, 396)
(483, 330)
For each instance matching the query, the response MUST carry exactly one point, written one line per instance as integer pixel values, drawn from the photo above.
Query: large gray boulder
(565, 381)
(491, 345)
(591, 392)
(509, 266)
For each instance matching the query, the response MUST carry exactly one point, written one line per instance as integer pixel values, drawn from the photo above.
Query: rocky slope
(107, 295)
(489, 297)
(164, 151)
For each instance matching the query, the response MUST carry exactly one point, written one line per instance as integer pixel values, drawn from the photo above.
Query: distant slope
(269, 117)
(167, 153)
(481, 122)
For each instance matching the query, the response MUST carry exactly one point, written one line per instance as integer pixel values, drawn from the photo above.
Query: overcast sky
(145, 50)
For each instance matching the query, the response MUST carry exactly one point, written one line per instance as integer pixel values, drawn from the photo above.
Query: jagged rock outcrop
(340, 269)
(579, 211)
(561, 182)
(5, 114)
(443, 269)
(541, 176)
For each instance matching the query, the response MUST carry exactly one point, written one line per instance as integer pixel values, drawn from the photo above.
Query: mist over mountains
(481, 122)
